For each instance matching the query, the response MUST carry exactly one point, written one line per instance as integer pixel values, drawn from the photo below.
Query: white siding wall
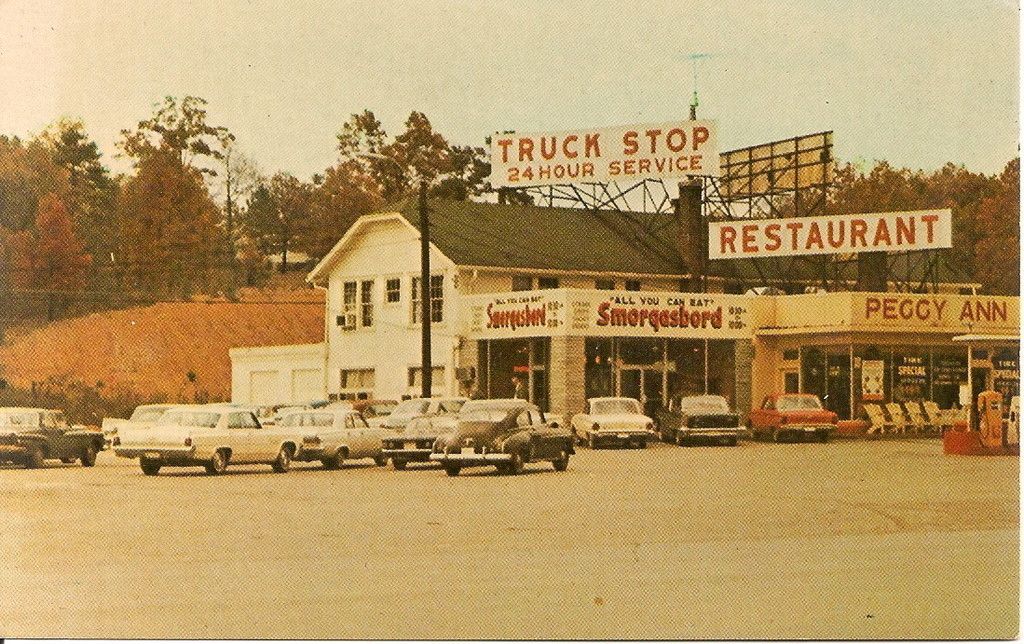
(381, 251)
(277, 375)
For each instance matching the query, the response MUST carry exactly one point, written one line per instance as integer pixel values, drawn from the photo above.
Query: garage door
(307, 385)
(263, 388)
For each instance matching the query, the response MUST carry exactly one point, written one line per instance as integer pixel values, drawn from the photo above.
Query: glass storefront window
(598, 374)
(687, 375)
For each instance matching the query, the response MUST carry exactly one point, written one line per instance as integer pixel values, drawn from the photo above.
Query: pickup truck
(209, 436)
(333, 435)
(30, 435)
(792, 417)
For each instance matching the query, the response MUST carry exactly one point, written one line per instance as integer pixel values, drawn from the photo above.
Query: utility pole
(426, 369)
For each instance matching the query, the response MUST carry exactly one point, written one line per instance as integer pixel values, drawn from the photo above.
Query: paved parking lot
(882, 539)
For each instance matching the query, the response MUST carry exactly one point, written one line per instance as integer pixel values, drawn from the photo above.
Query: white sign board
(836, 234)
(623, 153)
(594, 313)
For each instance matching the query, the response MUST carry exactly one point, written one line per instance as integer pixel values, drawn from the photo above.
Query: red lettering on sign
(653, 136)
(504, 144)
(858, 230)
(871, 305)
(905, 230)
(794, 228)
(930, 221)
(592, 145)
(695, 162)
(882, 231)
(748, 239)
(526, 149)
(570, 154)
(834, 240)
(629, 143)
(889, 308)
(700, 135)
(771, 231)
(680, 135)
(814, 237)
(544, 151)
(727, 235)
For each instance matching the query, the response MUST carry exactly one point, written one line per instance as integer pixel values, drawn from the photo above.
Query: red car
(792, 417)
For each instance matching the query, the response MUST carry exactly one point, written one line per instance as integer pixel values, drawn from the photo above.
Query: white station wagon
(333, 435)
(613, 421)
(211, 436)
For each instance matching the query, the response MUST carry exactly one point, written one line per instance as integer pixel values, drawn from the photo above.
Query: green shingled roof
(516, 236)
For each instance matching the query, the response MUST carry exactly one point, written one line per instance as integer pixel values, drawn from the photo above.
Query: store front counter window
(515, 369)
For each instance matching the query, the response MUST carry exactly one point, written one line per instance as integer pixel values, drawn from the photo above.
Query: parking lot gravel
(886, 539)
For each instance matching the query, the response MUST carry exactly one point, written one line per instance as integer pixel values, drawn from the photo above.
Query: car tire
(149, 468)
(592, 441)
(218, 463)
(642, 444)
(680, 441)
(452, 470)
(283, 462)
(515, 466)
(776, 436)
(88, 457)
(398, 463)
(380, 461)
(732, 442)
(562, 462)
(823, 437)
(34, 457)
(67, 461)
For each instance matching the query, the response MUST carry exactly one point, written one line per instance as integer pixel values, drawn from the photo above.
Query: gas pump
(990, 419)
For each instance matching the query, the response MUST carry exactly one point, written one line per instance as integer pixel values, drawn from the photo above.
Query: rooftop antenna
(694, 58)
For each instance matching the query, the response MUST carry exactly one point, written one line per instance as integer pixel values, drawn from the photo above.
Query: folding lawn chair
(879, 424)
(898, 419)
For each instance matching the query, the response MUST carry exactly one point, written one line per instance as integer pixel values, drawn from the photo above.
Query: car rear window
(20, 419)
(147, 414)
(796, 403)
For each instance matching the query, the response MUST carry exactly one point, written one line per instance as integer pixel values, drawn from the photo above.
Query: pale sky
(915, 82)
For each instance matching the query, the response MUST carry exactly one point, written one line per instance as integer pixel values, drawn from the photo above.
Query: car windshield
(190, 418)
(411, 408)
(490, 414)
(615, 406)
(291, 420)
(147, 414)
(705, 405)
(797, 403)
(19, 419)
(382, 409)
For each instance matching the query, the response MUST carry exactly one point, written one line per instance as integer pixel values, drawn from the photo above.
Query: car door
(761, 418)
(52, 425)
(235, 433)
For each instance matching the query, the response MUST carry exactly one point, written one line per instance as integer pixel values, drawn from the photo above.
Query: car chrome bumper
(411, 454)
(162, 453)
(710, 432)
(459, 458)
(808, 429)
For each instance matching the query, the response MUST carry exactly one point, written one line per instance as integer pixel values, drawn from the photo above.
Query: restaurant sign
(835, 234)
(622, 153)
(608, 313)
(898, 311)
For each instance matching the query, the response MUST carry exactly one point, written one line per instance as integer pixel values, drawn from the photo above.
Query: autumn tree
(179, 129)
(28, 172)
(92, 194)
(170, 240)
(49, 257)
(998, 246)
(279, 214)
(346, 193)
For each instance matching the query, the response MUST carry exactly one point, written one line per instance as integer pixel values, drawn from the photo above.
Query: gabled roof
(541, 238)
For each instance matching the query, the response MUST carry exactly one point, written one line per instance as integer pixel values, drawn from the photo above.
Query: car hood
(621, 419)
(808, 415)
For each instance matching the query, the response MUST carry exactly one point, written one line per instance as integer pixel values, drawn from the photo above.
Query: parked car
(375, 411)
(504, 433)
(143, 415)
(333, 435)
(613, 421)
(698, 418)
(409, 409)
(210, 436)
(792, 417)
(30, 435)
(414, 442)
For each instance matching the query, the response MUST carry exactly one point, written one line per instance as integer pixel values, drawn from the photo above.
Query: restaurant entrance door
(644, 383)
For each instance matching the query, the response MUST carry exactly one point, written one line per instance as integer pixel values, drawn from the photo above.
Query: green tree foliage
(170, 240)
(27, 173)
(92, 193)
(49, 257)
(279, 214)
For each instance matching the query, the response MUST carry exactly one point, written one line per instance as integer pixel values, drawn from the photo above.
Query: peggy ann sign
(622, 153)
